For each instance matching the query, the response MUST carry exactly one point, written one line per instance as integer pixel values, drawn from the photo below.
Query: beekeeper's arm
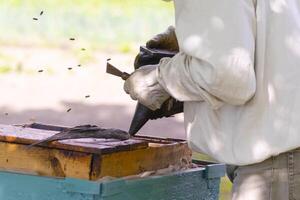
(216, 59)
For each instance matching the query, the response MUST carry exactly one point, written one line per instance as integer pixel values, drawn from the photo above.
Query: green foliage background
(97, 23)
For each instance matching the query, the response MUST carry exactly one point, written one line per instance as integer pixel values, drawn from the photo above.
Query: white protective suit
(238, 72)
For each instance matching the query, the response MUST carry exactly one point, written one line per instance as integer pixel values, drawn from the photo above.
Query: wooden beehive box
(89, 159)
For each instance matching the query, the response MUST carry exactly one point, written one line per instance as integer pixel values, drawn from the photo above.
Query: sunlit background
(53, 56)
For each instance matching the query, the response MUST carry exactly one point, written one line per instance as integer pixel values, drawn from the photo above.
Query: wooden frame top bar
(27, 135)
(90, 159)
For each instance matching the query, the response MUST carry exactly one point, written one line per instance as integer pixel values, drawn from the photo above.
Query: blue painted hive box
(101, 170)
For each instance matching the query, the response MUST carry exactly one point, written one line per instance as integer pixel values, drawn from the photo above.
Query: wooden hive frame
(89, 159)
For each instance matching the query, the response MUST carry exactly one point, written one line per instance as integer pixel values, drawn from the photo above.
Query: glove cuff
(159, 77)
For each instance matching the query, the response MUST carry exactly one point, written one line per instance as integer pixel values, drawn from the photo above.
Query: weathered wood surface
(152, 158)
(86, 158)
(189, 184)
(23, 135)
(44, 162)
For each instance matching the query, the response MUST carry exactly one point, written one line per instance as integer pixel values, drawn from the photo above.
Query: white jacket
(238, 72)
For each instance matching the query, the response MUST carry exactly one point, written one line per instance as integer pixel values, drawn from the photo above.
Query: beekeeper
(237, 71)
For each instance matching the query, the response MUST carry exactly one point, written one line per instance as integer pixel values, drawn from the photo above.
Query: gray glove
(166, 40)
(142, 85)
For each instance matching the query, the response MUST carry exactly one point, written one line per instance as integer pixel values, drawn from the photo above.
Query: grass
(5, 69)
(105, 24)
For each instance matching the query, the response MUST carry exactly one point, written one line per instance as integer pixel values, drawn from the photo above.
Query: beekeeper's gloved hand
(143, 86)
(166, 40)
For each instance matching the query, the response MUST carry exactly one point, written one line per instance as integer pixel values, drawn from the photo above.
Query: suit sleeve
(216, 59)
